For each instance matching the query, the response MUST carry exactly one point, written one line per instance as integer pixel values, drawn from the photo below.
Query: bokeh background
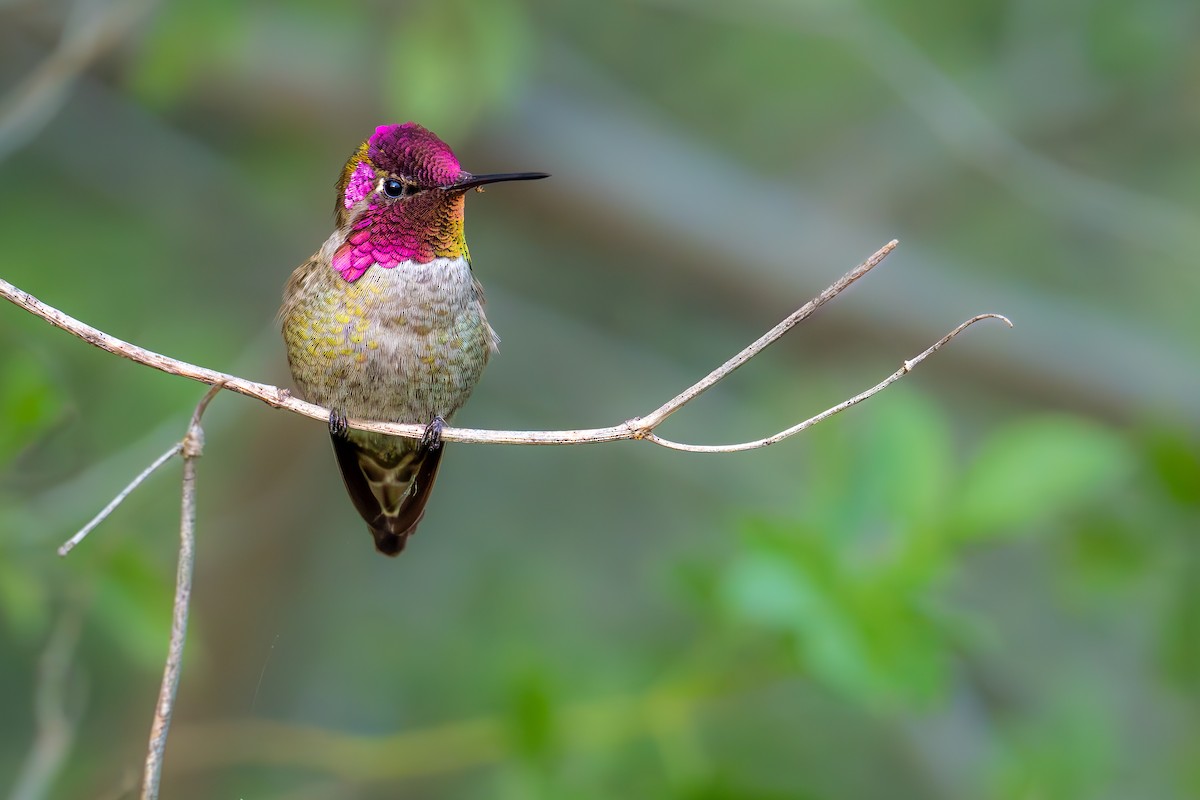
(983, 583)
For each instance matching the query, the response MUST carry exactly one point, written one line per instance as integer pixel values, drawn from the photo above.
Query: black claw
(338, 425)
(432, 440)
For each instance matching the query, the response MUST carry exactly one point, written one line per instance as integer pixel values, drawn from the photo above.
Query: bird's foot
(432, 440)
(338, 425)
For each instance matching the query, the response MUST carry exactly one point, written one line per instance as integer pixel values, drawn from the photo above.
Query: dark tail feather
(390, 496)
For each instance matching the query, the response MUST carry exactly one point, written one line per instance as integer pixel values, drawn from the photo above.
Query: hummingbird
(386, 320)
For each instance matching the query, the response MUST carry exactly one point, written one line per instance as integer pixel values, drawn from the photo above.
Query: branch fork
(637, 428)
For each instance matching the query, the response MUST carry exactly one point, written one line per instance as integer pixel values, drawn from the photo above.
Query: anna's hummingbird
(385, 322)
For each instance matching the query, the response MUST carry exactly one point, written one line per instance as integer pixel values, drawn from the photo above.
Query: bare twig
(905, 368)
(636, 428)
(69, 545)
(55, 728)
(653, 419)
(191, 447)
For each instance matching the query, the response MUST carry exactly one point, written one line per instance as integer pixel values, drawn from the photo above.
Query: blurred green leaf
(766, 587)
(24, 600)
(859, 631)
(724, 788)
(909, 458)
(133, 603)
(698, 583)
(186, 40)
(30, 402)
(882, 472)
(1180, 641)
(449, 62)
(1174, 456)
(1065, 753)
(906, 642)
(829, 485)
(532, 716)
(1034, 468)
(1106, 553)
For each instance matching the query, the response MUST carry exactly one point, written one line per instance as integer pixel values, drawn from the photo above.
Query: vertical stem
(193, 444)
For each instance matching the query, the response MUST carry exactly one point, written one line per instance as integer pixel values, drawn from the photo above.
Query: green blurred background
(983, 584)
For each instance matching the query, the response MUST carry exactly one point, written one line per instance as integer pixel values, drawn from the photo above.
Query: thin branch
(652, 420)
(636, 428)
(192, 448)
(69, 545)
(905, 368)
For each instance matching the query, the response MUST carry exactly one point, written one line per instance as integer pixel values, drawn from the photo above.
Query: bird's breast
(402, 344)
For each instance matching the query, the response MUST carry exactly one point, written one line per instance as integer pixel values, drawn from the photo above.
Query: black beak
(471, 181)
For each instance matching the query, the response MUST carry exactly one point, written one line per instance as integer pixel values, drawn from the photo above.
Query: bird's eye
(393, 187)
